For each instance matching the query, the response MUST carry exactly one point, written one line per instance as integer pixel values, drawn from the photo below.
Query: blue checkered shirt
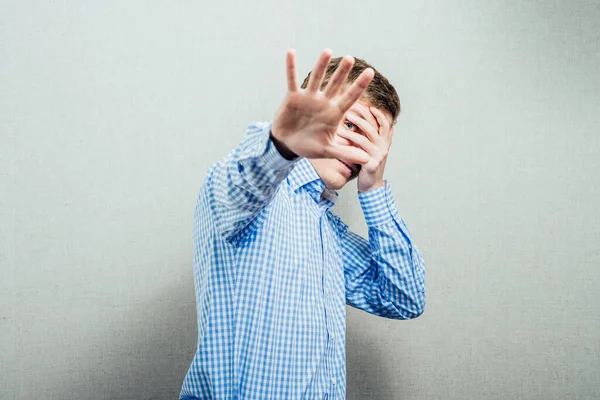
(274, 268)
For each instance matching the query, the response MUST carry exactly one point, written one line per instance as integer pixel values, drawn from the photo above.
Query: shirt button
(333, 381)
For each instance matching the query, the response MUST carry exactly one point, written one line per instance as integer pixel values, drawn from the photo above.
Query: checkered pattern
(274, 268)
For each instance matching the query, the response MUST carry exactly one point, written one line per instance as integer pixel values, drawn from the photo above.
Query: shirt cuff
(265, 150)
(378, 205)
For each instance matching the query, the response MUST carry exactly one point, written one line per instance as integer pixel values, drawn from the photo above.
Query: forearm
(401, 266)
(243, 183)
(391, 280)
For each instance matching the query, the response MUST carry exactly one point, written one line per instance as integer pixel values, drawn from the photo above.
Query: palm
(302, 112)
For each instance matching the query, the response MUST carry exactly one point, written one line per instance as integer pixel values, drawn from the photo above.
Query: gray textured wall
(111, 112)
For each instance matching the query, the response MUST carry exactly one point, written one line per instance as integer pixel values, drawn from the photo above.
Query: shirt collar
(304, 175)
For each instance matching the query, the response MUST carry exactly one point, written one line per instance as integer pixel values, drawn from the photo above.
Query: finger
(316, 75)
(366, 114)
(350, 154)
(356, 89)
(359, 140)
(383, 121)
(365, 126)
(292, 81)
(339, 77)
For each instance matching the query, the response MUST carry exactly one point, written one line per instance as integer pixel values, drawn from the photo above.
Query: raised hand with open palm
(306, 122)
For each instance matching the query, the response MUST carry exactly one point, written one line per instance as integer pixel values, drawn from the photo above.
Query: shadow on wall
(367, 377)
(145, 355)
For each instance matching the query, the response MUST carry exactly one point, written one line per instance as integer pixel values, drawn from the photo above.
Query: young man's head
(380, 94)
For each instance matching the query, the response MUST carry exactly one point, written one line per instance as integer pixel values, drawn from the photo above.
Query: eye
(351, 126)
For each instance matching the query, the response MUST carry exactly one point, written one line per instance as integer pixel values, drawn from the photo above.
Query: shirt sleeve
(385, 275)
(239, 186)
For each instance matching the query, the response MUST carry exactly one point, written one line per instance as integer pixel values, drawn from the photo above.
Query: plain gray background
(111, 112)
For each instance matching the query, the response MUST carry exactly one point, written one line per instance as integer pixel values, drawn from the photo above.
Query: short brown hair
(380, 92)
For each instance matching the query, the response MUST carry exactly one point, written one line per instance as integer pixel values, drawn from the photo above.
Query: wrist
(373, 186)
(282, 148)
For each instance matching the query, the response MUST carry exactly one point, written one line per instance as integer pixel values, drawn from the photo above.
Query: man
(274, 267)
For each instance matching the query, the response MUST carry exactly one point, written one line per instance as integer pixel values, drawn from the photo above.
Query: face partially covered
(336, 173)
